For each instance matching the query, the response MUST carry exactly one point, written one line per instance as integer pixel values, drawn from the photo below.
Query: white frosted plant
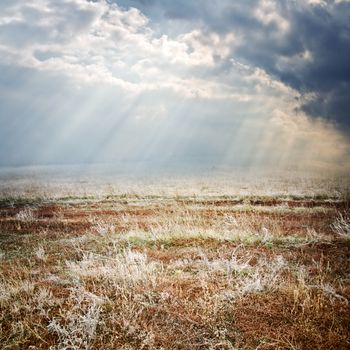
(266, 275)
(76, 329)
(104, 229)
(40, 253)
(242, 276)
(341, 226)
(26, 215)
(125, 268)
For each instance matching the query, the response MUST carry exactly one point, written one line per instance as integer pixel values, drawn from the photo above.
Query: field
(262, 265)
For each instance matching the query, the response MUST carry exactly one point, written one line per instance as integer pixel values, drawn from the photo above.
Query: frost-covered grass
(175, 271)
(341, 225)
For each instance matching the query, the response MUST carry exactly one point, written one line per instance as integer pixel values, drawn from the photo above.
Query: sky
(217, 83)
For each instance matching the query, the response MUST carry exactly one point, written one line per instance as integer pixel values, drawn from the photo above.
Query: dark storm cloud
(324, 32)
(312, 55)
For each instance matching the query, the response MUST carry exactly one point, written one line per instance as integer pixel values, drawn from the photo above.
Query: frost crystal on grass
(76, 328)
(341, 226)
(26, 215)
(126, 268)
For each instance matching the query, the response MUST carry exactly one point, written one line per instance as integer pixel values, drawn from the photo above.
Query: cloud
(304, 44)
(225, 82)
(97, 41)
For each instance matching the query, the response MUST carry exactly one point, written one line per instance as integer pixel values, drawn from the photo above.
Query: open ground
(159, 267)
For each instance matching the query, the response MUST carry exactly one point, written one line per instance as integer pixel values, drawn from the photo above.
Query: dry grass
(175, 272)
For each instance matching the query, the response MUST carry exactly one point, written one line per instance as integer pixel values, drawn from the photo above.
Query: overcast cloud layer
(233, 83)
